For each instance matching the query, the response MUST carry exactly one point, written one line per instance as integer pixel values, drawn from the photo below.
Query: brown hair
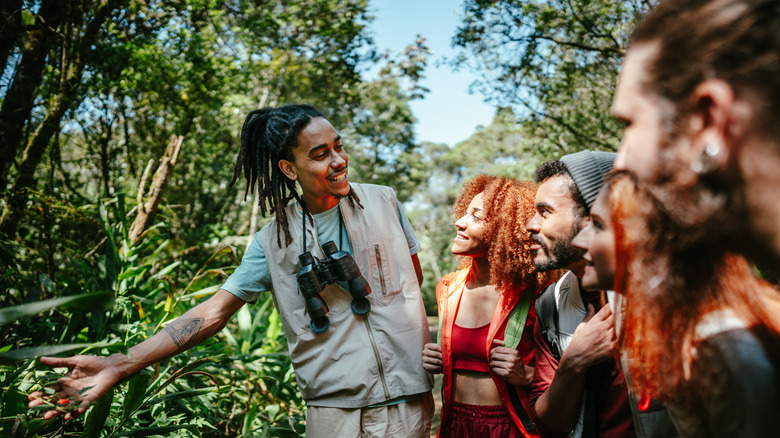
(736, 41)
(509, 205)
(669, 288)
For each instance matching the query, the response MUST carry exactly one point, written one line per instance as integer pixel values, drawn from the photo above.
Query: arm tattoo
(183, 332)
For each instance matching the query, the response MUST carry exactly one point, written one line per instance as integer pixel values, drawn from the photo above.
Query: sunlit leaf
(13, 356)
(93, 300)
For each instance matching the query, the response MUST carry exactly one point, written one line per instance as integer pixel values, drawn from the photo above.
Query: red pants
(477, 421)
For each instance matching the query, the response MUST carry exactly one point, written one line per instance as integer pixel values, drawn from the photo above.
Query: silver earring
(708, 161)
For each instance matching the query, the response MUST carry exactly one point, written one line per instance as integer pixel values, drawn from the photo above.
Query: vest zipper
(378, 358)
(381, 272)
(370, 332)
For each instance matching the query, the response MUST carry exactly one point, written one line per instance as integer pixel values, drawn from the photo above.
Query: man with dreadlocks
(361, 371)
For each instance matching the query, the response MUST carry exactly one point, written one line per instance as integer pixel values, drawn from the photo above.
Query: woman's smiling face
(472, 228)
(598, 240)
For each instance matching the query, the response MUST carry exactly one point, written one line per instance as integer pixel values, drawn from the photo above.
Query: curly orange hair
(509, 205)
(669, 286)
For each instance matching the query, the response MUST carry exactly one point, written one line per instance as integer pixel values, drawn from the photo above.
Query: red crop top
(468, 348)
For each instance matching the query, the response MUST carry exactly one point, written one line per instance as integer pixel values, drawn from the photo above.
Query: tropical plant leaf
(136, 390)
(13, 356)
(30, 309)
(203, 292)
(96, 418)
(181, 394)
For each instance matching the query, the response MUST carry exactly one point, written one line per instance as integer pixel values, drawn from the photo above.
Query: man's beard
(561, 253)
(695, 209)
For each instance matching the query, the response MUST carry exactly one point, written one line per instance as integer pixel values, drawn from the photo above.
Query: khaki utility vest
(359, 360)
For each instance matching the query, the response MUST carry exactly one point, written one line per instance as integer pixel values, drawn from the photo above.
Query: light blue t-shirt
(251, 277)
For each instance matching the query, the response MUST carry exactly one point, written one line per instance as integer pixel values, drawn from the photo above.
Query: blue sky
(448, 114)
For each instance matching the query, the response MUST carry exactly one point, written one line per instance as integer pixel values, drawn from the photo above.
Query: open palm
(88, 378)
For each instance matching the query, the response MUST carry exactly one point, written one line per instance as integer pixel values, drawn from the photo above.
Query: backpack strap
(547, 315)
(516, 321)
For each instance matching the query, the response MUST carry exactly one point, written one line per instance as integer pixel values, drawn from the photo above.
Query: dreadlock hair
(269, 135)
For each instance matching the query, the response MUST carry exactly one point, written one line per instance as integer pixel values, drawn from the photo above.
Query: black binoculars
(316, 274)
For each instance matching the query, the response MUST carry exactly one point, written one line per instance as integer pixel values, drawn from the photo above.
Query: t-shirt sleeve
(251, 277)
(411, 239)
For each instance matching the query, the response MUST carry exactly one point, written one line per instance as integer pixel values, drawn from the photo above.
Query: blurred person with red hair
(696, 328)
(699, 93)
(486, 303)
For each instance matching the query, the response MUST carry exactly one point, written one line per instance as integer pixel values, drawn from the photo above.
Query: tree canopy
(555, 61)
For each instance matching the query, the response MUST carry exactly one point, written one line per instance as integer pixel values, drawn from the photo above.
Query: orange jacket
(448, 294)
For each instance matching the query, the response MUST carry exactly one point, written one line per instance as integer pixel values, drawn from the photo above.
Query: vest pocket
(389, 284)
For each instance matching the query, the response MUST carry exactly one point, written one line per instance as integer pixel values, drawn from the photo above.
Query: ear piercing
(708, 161)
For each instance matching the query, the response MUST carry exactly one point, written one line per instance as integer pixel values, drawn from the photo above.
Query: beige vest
(358, 361)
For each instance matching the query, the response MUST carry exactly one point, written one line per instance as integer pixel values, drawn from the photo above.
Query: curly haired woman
(485, 382)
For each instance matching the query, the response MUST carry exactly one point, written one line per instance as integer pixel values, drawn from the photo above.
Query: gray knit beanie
(588, 169)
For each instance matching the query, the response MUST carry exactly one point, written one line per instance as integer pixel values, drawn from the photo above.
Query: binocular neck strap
(341, 228)
(303, 215)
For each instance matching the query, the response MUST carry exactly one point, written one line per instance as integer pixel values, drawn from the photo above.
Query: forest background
(119, 125)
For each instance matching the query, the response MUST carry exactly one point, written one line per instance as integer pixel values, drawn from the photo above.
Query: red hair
(669, 287)
(509, 205)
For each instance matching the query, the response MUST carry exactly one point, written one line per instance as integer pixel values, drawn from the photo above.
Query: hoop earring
(708, 161)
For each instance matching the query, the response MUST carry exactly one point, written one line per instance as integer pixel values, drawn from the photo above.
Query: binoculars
(315, 274)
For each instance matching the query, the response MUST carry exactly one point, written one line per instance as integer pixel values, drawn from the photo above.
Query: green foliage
(556, 59)
(237, 383)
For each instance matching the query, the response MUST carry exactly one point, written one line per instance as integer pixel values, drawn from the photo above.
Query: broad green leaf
(186, 372)
(181, 394)
(167, 269)
(96, 418)
(12, 313)
(244, 320)
(203, 292)
(272, 411)
(136, 390)
(47, 283)
(13, 356)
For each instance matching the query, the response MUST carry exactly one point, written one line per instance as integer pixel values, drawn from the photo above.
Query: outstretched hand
(508, 365)
(88, 378)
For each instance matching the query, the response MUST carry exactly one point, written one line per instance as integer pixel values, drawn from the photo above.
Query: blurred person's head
(490, 215)
(669, 287)
(567, 190)
(699, 93)
(597, 238)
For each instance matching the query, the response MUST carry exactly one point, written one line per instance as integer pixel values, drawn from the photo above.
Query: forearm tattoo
(183, 332)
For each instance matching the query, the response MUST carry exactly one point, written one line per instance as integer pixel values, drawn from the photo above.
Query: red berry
(63, 401)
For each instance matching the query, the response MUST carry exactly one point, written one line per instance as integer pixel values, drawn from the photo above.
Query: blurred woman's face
(598, 240)
(471, 230)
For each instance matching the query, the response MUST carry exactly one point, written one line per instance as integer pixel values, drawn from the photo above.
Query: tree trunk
(18, 102)
(11, 17)
(72, 68)
(148, 210)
